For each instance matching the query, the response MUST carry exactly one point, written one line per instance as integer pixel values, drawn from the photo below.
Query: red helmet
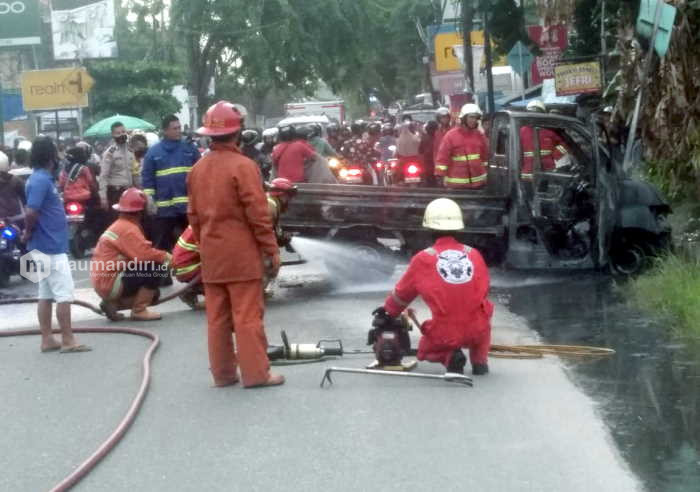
(223, 118)
(281, 186)
(132, 200)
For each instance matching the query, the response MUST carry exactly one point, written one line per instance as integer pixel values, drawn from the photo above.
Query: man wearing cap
(231, 223)
(125, 268)
(453, 280)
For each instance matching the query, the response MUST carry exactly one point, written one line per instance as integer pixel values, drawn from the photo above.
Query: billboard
(20, 23)
(577, 78)
(83, 29)
(553, 41)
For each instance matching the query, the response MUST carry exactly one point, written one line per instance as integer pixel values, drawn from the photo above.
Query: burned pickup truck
(585, 214)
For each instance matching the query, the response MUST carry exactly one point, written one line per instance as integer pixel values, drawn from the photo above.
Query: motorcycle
(81, 237)
(10, 252)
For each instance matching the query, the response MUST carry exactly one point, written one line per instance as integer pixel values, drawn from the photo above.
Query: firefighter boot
(457, 362)
(144, 298)
(111, 310)
(480, 369)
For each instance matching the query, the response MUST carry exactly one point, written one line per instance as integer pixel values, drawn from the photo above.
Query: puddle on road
(648, 393)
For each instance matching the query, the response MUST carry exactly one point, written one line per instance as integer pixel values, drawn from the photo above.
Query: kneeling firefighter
(186, 259)
(125, 268)
(453, 280)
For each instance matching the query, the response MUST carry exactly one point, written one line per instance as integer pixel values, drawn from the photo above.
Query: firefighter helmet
(537, 106)
(281, 186)
(469, 109)
(223, 118)
(132, 200)
(443, 214)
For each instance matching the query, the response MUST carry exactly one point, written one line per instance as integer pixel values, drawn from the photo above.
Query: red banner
(553, 41)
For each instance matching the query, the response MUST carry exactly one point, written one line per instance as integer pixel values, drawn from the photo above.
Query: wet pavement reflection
(648, 393)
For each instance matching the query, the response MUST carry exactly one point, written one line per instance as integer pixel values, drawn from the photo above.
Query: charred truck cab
(577, 211)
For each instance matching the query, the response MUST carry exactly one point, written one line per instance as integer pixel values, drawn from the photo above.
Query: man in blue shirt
(46, 235)
(164, 178)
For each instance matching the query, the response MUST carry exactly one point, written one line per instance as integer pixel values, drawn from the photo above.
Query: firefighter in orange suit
(453, 280)
(186, 258)
(463, 154)
(231, 223)
(552, 147)
(125, 268)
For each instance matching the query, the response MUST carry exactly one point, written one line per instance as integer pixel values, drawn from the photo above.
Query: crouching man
(187, 262)
(453, 280)
(126, 269)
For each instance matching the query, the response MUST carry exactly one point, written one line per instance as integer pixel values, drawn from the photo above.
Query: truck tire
(4, 277)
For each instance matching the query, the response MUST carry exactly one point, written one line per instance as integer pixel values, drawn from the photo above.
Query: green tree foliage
(139, 89)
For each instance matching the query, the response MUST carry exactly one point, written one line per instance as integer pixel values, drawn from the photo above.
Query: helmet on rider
(357, 128)
(132, 200)
(470, 109)
(4, 162)
(223, 118)
(536, 106)
(430, 127)
(443, 214)
(287, 133)
(151, 139)
(304, 131)
(249, 137)
(441, 112)
(77, 154)
(269, 135)
(332, 129)
(346, 131)
(387, 129)
(374, 128)
(281, 187)
(315, 130)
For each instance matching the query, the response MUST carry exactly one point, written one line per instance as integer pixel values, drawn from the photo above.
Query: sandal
(75, 349)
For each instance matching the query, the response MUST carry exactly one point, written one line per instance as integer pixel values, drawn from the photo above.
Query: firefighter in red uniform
(453, 280)
(463, 154)
(187, 262)
(552, 147)
(444, 121)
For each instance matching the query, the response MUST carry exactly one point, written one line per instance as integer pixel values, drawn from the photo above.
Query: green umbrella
(102, 127)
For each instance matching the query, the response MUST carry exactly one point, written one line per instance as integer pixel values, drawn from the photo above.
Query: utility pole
(489, 61)
(603, 43)
(2, 117)
(467, 20)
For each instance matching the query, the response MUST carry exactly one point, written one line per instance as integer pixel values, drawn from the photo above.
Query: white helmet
(270, 132)
(4, 163)
(442, 111)
(151, 139)
(443, 214)
(25, 145)
(469, 108)
(536, 105)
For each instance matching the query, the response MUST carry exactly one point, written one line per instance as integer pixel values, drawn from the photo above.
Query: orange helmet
(132, 200)
(223, 118)
(281, 186)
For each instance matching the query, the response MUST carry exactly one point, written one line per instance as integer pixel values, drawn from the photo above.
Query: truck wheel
(629, 261)
(4, 277)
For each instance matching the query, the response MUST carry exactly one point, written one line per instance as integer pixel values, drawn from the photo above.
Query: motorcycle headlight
(333, 163)
(3, 243)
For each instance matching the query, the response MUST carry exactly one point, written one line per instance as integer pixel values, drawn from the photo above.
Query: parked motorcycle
(10, 251)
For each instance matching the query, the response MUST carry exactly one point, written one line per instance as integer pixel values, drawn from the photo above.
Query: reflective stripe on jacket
(186, 260)
(462, 158)
(551, 150)
(164, 175)
(120, 247)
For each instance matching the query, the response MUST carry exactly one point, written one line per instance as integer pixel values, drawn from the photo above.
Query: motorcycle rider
(333, 136)
(322, 147)
(386, 141)
(444, 121)
(427, 150)
(76, 180)
(12, 197)
(293, 156)
(453, 280)
(249, 147)
(374, 131)
(463, 154)
(269, 140)
(408, 144)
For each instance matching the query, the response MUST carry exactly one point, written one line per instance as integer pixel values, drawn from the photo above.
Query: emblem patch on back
(455, 267)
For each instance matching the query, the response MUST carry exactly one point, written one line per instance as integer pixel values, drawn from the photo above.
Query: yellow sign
(56, 89)
(445, 56)
(578, 78)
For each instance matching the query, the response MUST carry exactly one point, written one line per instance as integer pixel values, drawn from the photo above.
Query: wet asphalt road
(524, 427)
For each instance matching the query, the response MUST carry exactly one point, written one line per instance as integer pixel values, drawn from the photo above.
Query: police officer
(116, 167)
